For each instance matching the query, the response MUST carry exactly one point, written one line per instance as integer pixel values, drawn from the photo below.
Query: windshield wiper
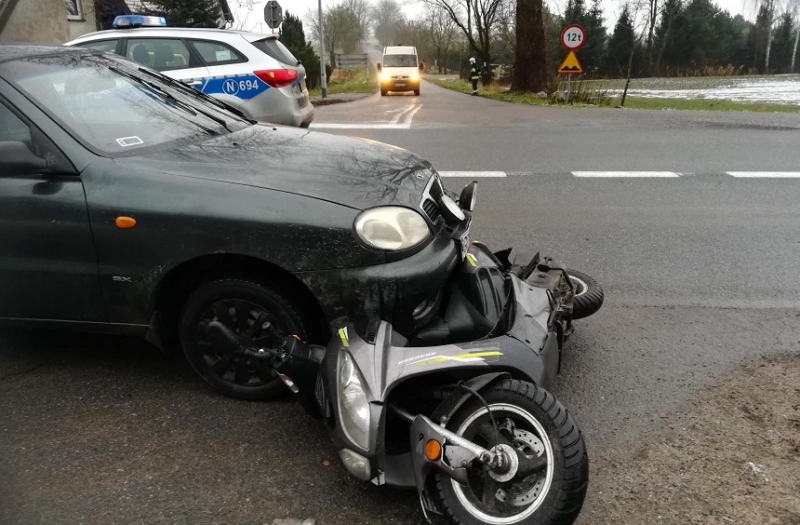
(198, 94)
(168, 96)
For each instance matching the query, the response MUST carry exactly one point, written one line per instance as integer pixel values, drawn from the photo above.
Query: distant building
(59, 21)
(45, 21)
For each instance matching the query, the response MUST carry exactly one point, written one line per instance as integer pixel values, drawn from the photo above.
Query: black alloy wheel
(225, 323)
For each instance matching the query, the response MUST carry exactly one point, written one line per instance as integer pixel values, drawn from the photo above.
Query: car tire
(589, 296)
(384, 92)
(258, 314)
(541, 427)
(416, 92)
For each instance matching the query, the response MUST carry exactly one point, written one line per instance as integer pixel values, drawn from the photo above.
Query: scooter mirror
(469, 195)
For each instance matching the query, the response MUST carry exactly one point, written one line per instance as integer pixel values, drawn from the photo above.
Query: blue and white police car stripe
(244, 87)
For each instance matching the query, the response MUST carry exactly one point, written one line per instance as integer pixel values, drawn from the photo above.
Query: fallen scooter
(462, 411)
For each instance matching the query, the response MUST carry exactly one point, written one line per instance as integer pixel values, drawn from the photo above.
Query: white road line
(410, 116)
(400, 115)
(765, 174)
(470, 174)
(626, 174)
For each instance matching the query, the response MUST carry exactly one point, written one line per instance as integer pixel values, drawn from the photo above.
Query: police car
(254, 72)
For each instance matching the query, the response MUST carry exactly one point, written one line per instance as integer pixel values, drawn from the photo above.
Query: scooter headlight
(391, 228)
(353, 404)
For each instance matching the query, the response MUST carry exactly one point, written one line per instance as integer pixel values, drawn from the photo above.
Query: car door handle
(193, 83)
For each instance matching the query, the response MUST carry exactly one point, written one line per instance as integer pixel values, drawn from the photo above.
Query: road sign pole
(569, 81)
(322, 73)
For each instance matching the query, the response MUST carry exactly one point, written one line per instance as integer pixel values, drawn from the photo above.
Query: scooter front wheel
(588, 295)
(538, 426)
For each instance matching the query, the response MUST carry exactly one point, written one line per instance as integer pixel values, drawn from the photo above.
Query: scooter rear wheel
(538, 426)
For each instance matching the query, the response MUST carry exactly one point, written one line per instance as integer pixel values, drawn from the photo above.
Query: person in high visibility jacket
(474, 76)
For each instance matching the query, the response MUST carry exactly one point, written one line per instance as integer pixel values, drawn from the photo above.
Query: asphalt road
(701, 272)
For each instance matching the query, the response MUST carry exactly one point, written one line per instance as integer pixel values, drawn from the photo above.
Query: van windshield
(399, 60)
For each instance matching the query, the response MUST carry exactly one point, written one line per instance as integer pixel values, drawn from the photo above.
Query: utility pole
(322, 73)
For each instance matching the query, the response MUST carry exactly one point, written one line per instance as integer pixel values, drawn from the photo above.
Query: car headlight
(385, 77)
(414, 76)
(391, 228)
(353, 404)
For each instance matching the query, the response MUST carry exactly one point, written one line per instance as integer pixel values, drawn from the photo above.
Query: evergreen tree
(188, 13)
(743, 54)
(758, 37)
(294, 38)
(782, 46)
(291, 32)
(620, 45)
(575, 12)
(594, 52)
(665, 42)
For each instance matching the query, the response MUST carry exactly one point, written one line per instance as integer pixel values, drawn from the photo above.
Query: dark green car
(132, 204)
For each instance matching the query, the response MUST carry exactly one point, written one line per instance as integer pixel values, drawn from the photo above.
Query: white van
(399, 69)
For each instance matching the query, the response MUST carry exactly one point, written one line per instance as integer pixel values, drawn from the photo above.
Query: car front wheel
(224, 319)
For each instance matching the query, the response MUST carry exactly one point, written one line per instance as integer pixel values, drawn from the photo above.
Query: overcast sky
(249, 20)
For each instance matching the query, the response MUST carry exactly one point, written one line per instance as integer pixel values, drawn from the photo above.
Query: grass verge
(497, 92)
(344, 81)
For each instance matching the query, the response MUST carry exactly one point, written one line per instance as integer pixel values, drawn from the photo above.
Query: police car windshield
(111, 107)
(399, 60)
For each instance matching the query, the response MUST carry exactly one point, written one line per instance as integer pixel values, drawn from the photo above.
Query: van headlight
(353, 404)
(385, 77)
(391, 228)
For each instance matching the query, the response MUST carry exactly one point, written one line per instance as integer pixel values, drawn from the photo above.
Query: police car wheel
(258, 316)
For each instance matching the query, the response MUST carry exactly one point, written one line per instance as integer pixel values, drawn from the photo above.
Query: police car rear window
(274, 48)
(216, 54)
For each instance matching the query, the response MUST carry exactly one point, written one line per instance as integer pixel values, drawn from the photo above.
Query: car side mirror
(421, 66)
(17, 159)
(379, 67)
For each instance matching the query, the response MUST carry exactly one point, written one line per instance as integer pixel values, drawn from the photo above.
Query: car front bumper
(390, 291)
(400, 85)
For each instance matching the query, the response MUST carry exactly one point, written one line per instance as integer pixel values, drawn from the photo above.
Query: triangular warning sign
(570, 65)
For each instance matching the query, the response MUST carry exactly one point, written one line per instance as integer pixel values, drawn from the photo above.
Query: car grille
(431, 209)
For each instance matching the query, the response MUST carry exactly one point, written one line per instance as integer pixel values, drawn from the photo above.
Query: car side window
(216, 54)
(161, 54)
(107, 46)
(12, 128)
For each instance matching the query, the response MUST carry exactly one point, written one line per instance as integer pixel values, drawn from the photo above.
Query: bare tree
(505, 32)
(639, 16)
(476, 20)
(652, 18)
(770, 7)
(386, 15)
(794, 51)
(362, 10)
(342, 30)
(442, 30)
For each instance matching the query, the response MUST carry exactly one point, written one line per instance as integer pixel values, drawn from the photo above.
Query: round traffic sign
(573, 37)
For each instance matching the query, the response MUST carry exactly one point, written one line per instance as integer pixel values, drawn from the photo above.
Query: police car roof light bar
(131, 21)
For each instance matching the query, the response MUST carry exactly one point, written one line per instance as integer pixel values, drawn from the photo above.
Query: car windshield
(112, 107)
(400, 61)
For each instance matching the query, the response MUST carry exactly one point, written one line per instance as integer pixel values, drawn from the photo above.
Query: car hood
(357, 173)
